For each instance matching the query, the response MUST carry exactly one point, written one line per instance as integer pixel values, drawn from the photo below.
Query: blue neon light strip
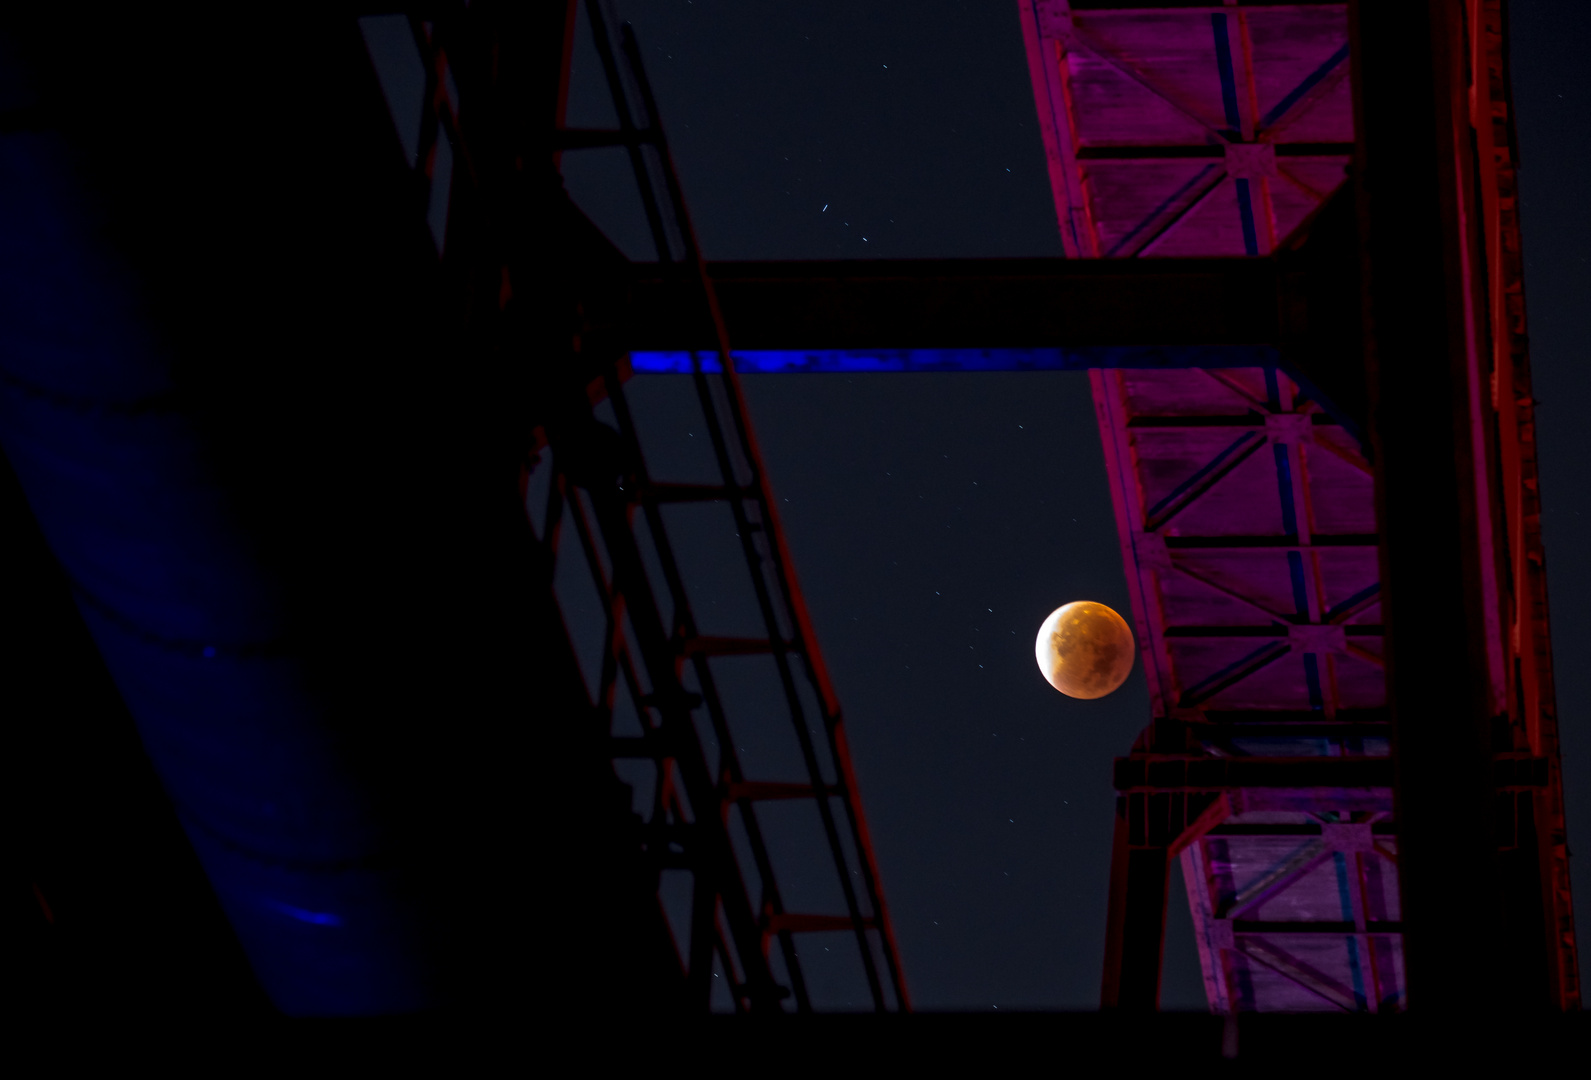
(1234, 672)
(1340, 861)
(1352, 602)
(1304, 87)
(1154, 215)
(839, 361)
(1246, 440)
(1284, 488)
(1317, 700)
(1245, 207)
(1223, 61)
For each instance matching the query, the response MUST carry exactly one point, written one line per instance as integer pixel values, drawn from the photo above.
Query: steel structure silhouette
(1293, 270)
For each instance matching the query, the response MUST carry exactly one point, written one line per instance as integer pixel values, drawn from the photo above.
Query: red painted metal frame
(1183, 792)
(586, 476)
(1504, 414)
(791, 640)
(1198, 818)
(1066, 41)
(1203, 586)
(1070, 41)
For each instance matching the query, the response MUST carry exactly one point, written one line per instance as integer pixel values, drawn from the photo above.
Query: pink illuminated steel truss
(1189, 131)
(1247, 520)
(1246, 512)
(1245, 505)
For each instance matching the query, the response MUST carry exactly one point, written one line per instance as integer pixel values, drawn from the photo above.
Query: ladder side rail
(677, 231)
(644, 165)
(769, 553)
(787, 679)
(646, 168)
(743, 472)
(719, 874)
(785, 607)
(724, 881)
(685, 629)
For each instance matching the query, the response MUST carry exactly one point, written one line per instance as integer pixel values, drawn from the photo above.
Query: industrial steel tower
(331, 575)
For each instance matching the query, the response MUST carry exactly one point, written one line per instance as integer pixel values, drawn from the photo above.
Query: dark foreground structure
(312, 394)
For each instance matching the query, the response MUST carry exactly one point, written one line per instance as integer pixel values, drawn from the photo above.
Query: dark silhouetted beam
(967, 303)
(1414, 162)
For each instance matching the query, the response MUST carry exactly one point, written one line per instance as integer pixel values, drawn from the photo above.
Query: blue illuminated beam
(833, 361)
(841, 361)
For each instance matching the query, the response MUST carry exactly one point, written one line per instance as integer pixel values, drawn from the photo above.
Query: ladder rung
(672, 493)
(727, 646)
(768, 789)
(810, 924)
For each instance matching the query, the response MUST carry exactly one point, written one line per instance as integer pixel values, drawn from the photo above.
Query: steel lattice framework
(656, 698)
(1294, 272)
(1250, 520)
(1327, 772)
(1246, 504)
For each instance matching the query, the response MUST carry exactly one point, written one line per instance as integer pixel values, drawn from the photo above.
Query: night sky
(1552, 94)
(936, 519)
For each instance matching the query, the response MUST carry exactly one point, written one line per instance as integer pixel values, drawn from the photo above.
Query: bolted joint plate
(1347, 837)
(1318, 639)
(1289, 428)
(1250, 161)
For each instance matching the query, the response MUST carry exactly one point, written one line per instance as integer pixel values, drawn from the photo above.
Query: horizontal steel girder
(971, 303)
(1175, 772)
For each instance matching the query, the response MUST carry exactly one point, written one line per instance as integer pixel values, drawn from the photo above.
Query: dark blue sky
(935, 519)
(1552, 96)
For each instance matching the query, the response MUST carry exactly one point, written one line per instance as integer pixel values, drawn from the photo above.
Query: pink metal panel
(1124, 495)
(1218, 510)
(1247, 519)
(1301, 39)
(1342, 950)
(1051, 87)
(1279, 548)
(1258, 98)
(1212, 225)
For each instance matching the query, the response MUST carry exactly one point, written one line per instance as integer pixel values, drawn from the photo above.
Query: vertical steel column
(1148, 826)
(1411, 159)
(1135, 928)
(1539, 858)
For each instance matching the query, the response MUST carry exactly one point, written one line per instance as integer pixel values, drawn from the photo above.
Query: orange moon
(1085, 650)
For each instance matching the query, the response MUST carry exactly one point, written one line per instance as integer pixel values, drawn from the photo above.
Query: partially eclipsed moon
(1085, 650)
